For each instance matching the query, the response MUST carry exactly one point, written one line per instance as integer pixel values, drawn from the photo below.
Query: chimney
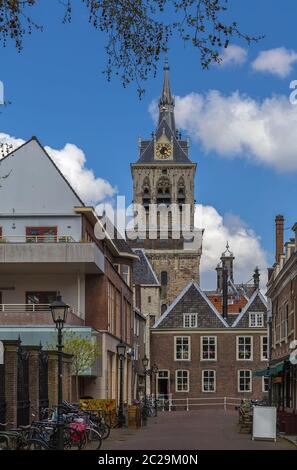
(256, 277)
(279, 236)
(225, 291)
(219, 271)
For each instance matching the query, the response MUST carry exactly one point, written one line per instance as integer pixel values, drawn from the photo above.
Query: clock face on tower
(163, 150)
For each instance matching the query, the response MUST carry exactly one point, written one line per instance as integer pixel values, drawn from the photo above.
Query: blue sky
(58, 93)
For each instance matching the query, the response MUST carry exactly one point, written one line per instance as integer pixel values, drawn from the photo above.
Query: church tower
(163, 177)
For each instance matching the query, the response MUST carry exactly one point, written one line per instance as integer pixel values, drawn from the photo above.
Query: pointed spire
(166, 101)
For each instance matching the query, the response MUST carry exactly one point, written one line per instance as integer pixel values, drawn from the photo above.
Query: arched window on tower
(146, 194)
(163, 191)
(181, 199)
(163, 308)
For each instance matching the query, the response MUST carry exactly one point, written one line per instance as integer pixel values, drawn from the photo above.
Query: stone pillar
(11, 379)
(53, 377)
(67, 377)
(33, 381)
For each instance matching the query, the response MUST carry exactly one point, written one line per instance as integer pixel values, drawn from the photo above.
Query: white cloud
(239, 126)
(278, 61)
(244, 244)
(71, 161)
(233, 55)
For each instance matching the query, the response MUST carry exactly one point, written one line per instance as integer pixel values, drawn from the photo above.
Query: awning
(270, 371)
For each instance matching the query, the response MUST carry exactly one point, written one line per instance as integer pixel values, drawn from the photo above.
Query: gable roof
(143, 273)
(256, 294)
(34, 138)
(180, 298)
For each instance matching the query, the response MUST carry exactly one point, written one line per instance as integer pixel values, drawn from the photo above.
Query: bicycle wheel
(36, 444)
(104, 430)
(94, 439)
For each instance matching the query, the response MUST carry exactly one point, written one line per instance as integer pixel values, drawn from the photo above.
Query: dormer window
(190, 320)
(256, 320)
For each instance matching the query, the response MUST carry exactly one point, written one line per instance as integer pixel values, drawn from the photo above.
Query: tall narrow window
(164, 278)
(244, 381)
(208, 348)
(244, 348)
(181, 193)
(182, 380)
(146, 194)
(208, 381)
(125, 273)
(182, 348)
(264, 348)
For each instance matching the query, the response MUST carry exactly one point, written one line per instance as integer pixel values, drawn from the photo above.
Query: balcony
(32, 314)
(49, 253)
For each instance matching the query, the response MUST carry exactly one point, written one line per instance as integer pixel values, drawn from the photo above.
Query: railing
(38, 239)
(24, 308)
(167, 403)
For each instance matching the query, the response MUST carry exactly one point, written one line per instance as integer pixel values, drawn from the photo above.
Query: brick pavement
(194, 430)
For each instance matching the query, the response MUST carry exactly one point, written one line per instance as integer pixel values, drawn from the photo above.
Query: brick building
(202, 352)
(282, 295)
(48, 245)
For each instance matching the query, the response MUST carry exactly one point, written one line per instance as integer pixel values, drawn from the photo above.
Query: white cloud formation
(278, 61)
(244, 244)
(237, 125)
(71, 161)
(233, 55)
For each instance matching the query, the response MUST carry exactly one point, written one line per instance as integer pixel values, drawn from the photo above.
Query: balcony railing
(38, 239)
(24, 308)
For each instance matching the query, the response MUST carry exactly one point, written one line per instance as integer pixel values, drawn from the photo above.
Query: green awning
(261, 373)
(270, 371)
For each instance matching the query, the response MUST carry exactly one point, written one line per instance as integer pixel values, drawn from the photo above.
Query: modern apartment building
(48, 245)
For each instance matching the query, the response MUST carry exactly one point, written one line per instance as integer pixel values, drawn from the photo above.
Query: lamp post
(121, 350)
(59, 312)
(155, 372)
(145, 362)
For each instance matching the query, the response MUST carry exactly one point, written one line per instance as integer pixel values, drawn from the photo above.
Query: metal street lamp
(59, 312)
(145, 362)
(121, 350)
(155, 370)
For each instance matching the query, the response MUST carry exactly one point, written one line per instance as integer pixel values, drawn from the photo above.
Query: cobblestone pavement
(194, 430)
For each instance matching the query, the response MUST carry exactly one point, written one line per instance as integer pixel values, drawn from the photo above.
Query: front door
(163, 384)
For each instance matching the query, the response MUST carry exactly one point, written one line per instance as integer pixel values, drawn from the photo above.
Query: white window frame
(190, 316)
(263, 384)
(256, 315)
(188, 381)
(238, 381)
(215, 380)
(262, 344)
(201, 348)
(189, 346)
(237, 348)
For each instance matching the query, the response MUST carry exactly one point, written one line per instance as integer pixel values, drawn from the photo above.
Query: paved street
(195, 430)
